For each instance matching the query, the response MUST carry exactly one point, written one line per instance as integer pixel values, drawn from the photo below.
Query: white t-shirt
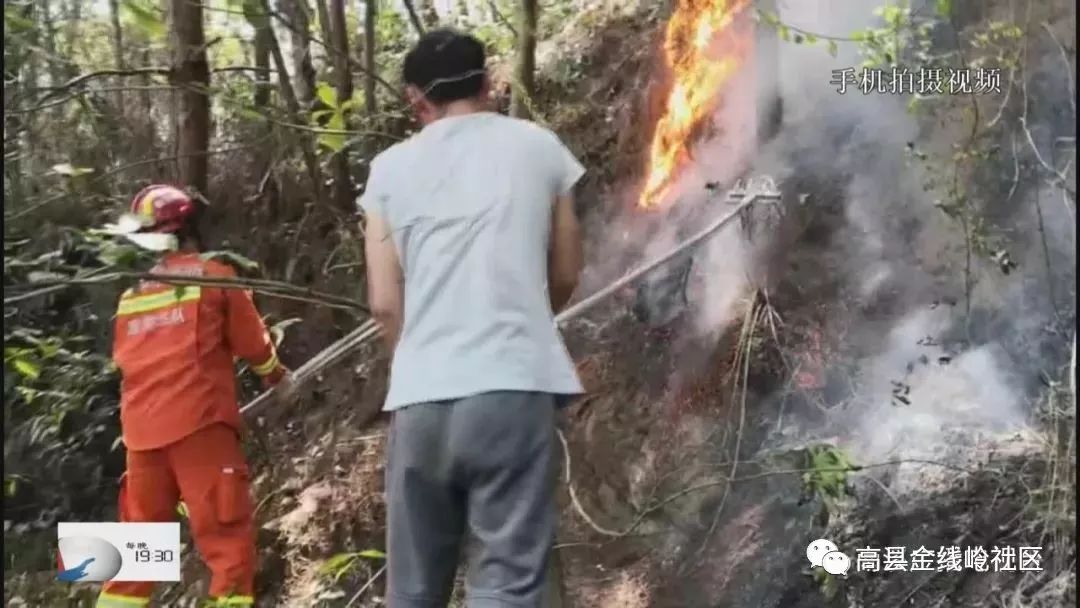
(469, 200)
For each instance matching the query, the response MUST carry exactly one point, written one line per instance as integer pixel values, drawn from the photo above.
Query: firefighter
(175, 347)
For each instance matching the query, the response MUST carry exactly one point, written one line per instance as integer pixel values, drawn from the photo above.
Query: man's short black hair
(446, 65)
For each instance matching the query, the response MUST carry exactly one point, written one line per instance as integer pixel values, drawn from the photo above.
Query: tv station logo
(99, 552)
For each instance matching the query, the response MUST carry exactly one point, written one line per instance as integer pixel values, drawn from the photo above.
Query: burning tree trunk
(191, 74)
(526, 60)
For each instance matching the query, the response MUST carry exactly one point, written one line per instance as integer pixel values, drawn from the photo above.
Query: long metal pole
(369, 330)
(596, 298)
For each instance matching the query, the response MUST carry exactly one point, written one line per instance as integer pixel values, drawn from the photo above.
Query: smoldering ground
(927, 336)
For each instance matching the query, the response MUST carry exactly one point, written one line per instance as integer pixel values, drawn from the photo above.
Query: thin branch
(502, 18)
(330, 49)
(1068, 66)
(418, 25)
(640, 517)
(145, 71)
(263, 286)
(121, 169)
(1062, 180)
(94, 91)
(371, 581)
(1016, 169)
(749, 325)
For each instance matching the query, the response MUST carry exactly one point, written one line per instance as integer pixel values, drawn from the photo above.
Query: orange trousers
(207, 470)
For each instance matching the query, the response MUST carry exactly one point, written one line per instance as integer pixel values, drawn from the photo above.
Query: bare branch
(502, 18)
(121, 169)
(267, 287)
(1068, 66)
(418, 25)
(330, 49)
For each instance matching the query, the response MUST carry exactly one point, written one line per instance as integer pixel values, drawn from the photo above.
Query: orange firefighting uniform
(175, 348)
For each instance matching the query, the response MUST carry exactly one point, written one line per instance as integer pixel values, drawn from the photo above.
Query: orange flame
(699, 73)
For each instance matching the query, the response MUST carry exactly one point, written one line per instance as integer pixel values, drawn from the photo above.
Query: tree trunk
(150, 125)
(118, 45)
(296, 11)
(293, 104)
(525, 69)
(371, 14)
(191, 73)
(56, 69)
(339, 41)
(418, 25)
(260, 22)
(74, 22)
(326, 27)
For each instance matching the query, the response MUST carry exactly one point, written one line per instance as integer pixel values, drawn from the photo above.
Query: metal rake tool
(744, 194)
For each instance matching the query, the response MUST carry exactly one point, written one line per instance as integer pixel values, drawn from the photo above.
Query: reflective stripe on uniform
(232, 600)
(112, 600)
(266, 367)
(130, 304)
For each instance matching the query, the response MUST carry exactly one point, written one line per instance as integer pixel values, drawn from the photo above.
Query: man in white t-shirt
(472, 245)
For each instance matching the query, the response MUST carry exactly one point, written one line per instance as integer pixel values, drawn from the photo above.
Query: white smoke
(893, 249)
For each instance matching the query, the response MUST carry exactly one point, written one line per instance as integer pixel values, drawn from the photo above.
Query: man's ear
(421, 105)
(486, 89)
(413, 95)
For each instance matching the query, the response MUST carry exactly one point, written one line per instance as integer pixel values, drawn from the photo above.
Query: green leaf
(70, 171)
(27, 368)
(785, 33)
(799, 39)
(14, 22)
(944, 8)
(769, 17)
(327, 94)
(145, 17)
(831, 46)
(250, 114)
(372, 554)
(811, 39)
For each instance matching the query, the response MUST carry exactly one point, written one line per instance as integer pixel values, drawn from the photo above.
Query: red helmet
(162, 208)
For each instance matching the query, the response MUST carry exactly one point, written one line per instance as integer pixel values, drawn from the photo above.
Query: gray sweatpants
(482, 464)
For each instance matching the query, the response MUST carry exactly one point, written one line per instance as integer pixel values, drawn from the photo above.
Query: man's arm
(565, 256)
(385, 279)
(247, 335)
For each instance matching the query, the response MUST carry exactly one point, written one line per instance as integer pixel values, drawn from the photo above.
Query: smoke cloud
(931, 340)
